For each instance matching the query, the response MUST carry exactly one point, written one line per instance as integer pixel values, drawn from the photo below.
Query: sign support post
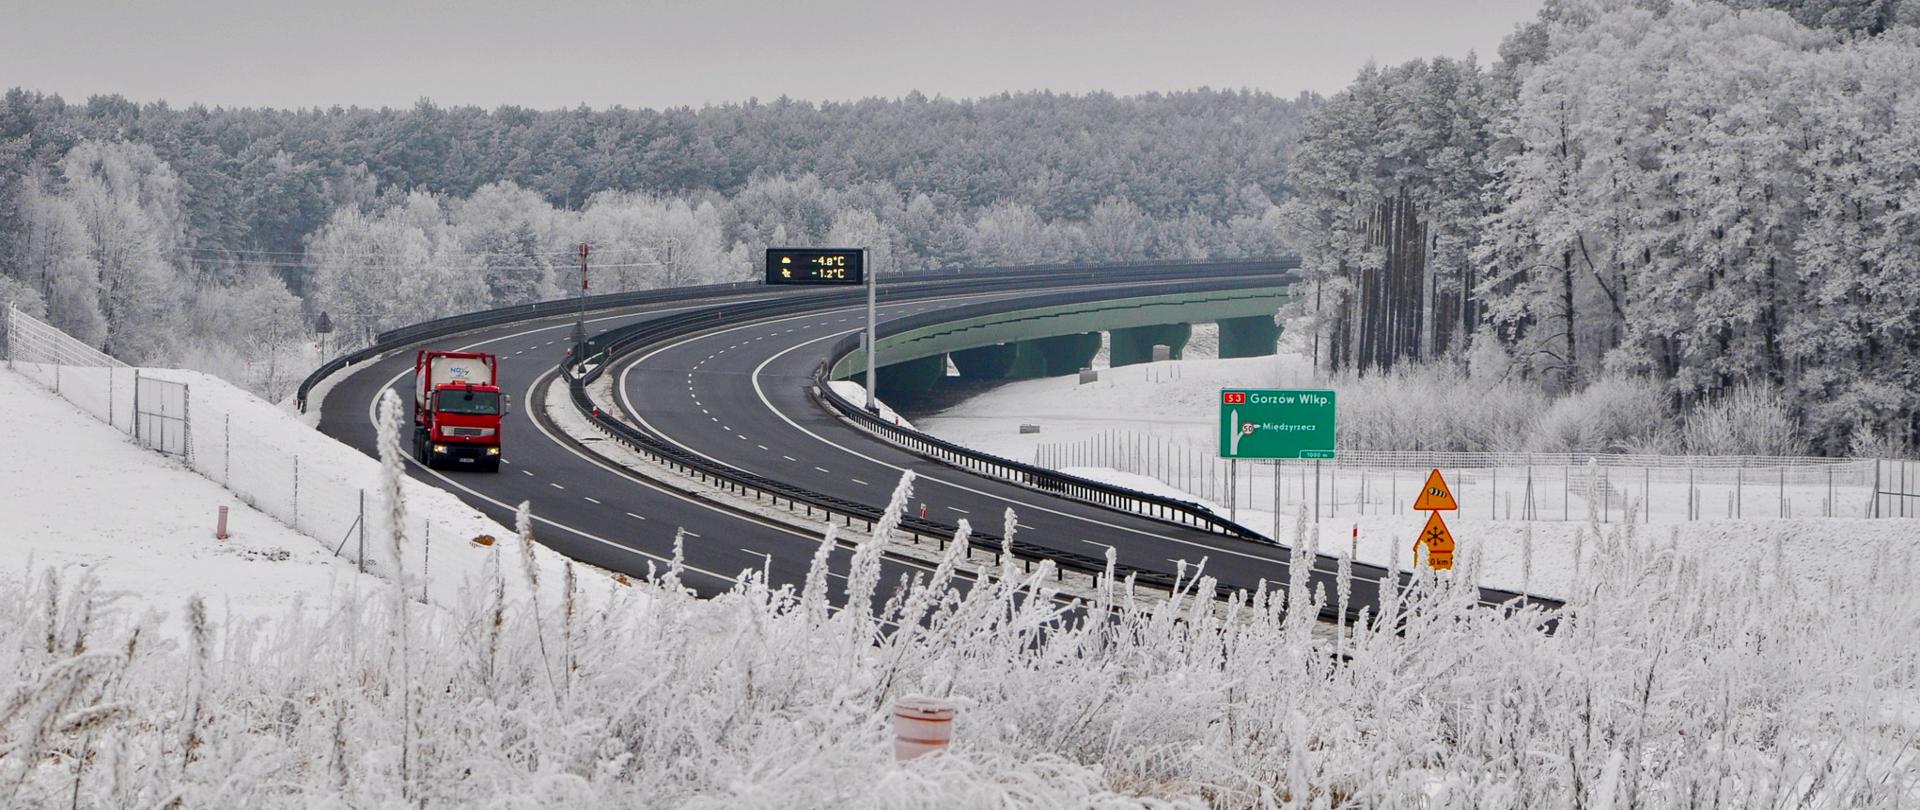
(873, 344)
(1233, 489)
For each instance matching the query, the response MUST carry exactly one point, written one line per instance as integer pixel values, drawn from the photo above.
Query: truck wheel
(420, 449)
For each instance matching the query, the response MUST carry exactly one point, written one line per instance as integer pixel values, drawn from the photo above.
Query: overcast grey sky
(653, 54)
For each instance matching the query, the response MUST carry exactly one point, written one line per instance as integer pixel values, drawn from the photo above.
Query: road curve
(737, 394)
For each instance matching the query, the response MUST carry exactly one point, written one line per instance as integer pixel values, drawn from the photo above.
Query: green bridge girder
(1085, 320)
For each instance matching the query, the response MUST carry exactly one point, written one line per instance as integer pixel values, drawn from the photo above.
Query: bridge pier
(1252, 336)
(908, 380)
(986, 362)
(1055, 356)
(1135, 344)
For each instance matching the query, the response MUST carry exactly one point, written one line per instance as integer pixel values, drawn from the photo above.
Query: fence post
(186, 423)
(136, 406)
(1873, 503)
(363, 531)
(296, 493)
(426, 555)
(226, 448)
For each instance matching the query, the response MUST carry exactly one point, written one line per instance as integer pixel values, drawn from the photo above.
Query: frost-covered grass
(1667, 683)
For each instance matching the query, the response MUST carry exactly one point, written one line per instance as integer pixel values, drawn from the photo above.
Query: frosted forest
(1642, 226)
(1715, 199)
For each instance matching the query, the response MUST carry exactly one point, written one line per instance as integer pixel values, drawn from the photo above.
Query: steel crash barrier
(585, 370)
(1157, 507)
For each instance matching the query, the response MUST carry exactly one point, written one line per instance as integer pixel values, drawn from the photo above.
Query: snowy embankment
(857, 394)
(767, 698)
(312, 490)
(1176, 401)
(84, 501)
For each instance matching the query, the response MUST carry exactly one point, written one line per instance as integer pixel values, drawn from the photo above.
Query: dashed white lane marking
(693, 534)
(961, 511)
(589, 500)
(504, 461)
(634, 516)
(822, 469)
(761, 446)
(727, 428)
(742, 438)
(714, 418)
(528, 472)
(554, 485)
(858, 481)
(703, 410)
(790, 458)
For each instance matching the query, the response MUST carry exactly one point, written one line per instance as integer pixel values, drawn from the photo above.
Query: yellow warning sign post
(1435, 497)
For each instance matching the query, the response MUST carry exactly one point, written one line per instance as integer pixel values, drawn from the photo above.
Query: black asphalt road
(582, 508)
(738, 394)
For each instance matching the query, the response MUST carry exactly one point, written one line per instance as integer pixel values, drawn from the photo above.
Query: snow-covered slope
(82, 499)
(292, 490)
(1176, 400)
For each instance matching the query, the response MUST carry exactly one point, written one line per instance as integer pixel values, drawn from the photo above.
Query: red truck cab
(457, 410)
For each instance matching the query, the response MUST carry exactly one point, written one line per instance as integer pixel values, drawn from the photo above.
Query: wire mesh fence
(225, 436)
(1598, 487)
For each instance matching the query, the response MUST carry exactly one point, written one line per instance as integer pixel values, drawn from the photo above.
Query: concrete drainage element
(1088, 375)
(1029, 428)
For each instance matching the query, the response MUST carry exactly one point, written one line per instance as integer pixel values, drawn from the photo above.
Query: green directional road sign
(1275, 423)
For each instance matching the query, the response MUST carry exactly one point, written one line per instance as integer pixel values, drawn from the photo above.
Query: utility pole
(580, 322)
(873, 348)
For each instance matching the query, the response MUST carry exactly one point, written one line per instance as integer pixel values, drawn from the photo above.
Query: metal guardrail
(454, 324)
(583, 371)
(1157, 507)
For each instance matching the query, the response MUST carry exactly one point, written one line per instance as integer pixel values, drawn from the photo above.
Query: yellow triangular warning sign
(1435, 497)
(1435, 536)
(1439, 543)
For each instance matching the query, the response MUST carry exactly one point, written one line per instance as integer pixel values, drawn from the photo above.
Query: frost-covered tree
(1117, 230)
(510, 233)
(376, 271)
(57, 263)
(128, 202)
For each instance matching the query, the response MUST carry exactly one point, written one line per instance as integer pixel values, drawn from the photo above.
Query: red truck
(457, 407)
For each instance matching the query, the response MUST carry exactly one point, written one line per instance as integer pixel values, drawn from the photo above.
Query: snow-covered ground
(283, 472)
(82, 499)
(1173, 404)
(763, 698)
(857, 394)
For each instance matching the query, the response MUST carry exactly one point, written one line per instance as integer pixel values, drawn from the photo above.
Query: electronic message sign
(816, 266)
